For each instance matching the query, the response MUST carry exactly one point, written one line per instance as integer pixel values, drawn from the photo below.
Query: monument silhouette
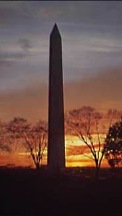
(56, 138)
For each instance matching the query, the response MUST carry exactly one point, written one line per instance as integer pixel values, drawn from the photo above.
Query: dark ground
(73, 192)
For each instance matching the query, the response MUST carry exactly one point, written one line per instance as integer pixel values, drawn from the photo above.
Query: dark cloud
(8, 56)
(89, 12)
(25, 44)
(7, 64)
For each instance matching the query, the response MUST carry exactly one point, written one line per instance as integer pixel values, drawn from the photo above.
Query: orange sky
(102, 91)
(22, 158)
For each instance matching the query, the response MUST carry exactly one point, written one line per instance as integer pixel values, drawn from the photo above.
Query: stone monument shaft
(56, 140)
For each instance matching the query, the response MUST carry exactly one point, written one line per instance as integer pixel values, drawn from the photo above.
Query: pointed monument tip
(55, 25)
(55, 29)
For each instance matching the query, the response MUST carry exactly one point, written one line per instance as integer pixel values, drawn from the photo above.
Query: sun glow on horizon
(22, 158)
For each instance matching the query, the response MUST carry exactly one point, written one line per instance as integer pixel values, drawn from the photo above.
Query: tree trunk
(37, 165)
(97, 170)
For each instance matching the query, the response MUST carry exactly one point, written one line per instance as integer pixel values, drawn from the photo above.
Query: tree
(113, 145)
(5, 138)
(91, 127)
(33, 137)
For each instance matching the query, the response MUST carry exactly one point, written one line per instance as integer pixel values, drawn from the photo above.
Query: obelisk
(56, 138)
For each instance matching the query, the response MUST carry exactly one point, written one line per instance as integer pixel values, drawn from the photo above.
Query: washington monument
(56, 138)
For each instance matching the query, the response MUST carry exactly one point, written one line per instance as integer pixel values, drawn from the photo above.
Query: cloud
(72, 11)
(12, 51)
(102, 91)
(13, 55)
(25, 44)
(29, 102)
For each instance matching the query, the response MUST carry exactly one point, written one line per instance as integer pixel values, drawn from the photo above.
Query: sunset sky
(92, 55)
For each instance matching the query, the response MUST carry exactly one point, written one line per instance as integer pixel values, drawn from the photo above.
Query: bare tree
(32, 137)
(5, 138)
(91, 127)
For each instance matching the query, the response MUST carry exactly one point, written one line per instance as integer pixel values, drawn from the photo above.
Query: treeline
(100, 132)
(33, 137)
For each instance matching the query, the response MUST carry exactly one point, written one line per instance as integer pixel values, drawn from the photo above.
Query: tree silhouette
(5, 138)
(32, 137)
(113, 144)
(91, 127)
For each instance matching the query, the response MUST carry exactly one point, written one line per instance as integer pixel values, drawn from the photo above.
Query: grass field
(25, 191)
